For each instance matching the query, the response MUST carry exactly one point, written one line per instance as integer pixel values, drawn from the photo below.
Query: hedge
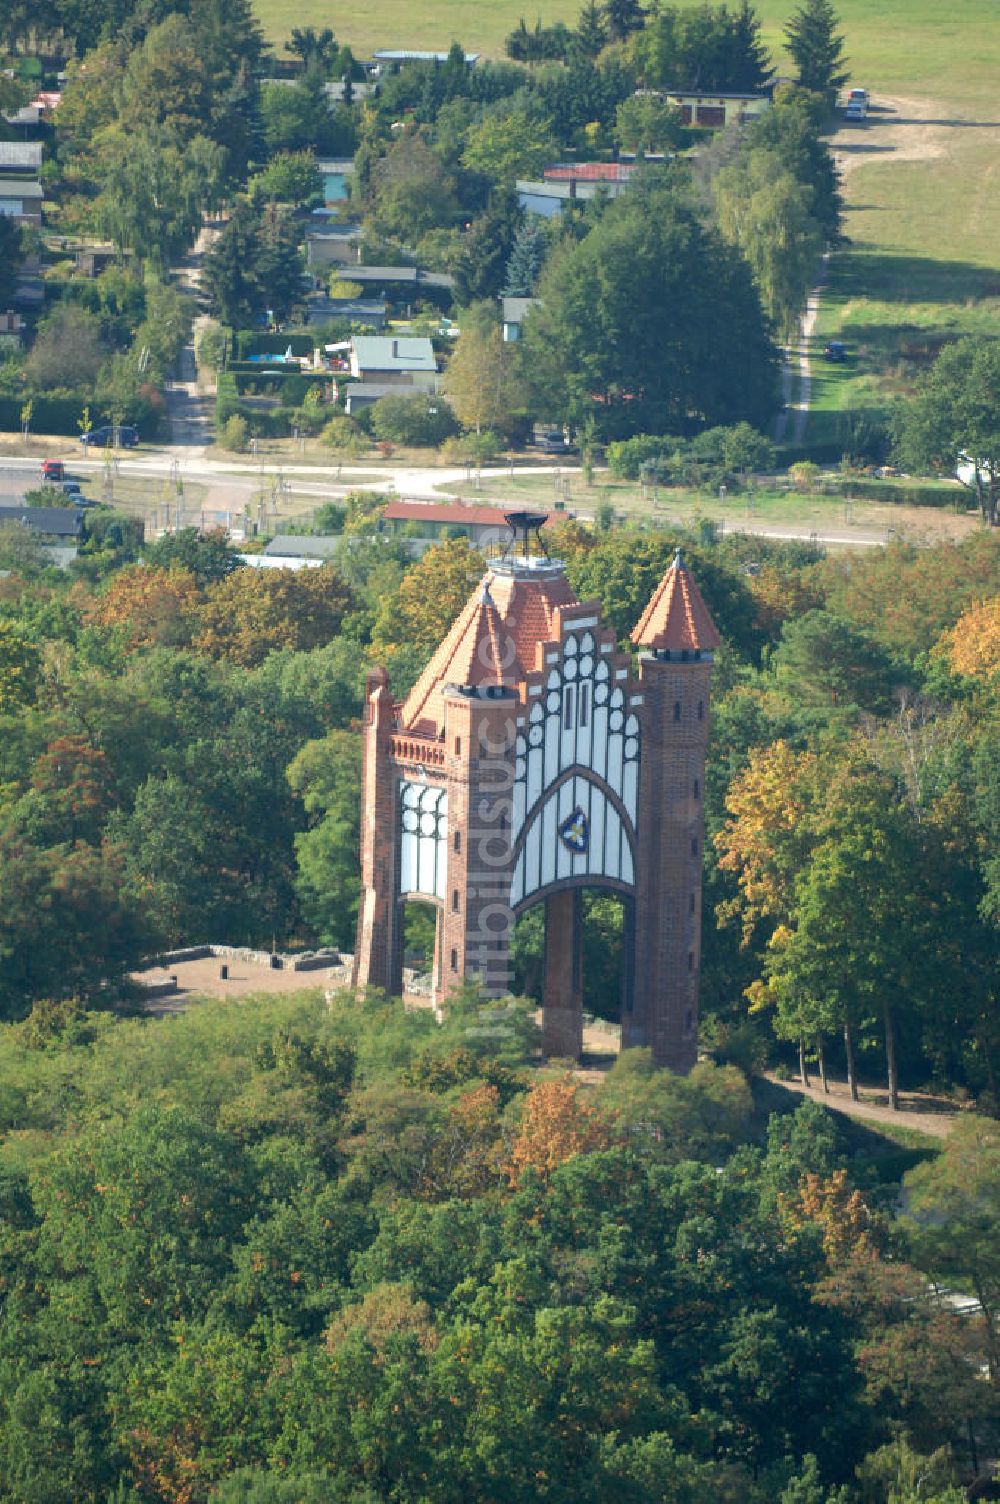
(268, 423)
(904, 493)
(254, 342)
(60, 413)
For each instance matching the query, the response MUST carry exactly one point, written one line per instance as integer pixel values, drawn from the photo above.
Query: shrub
(421, 420)
(212, 343)
(627, 456)
(342, 432)
(234, 433)
(341, 287)
(804, 474)
(474, 448)
(308, 420)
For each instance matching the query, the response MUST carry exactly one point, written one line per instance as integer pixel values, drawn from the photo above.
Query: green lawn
(892, 44)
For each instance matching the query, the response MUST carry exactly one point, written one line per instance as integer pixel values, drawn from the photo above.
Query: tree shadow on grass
(863, 272)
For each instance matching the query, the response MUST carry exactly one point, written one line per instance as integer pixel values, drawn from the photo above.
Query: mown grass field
(828, 516)
(897, 44)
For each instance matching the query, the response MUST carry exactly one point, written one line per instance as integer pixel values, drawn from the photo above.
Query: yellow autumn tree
(764, 840)
(972, 645)
(148, 606)
(253, 612)
(842, 1214)
(20, 661)
(556, 1124)
(430, 596)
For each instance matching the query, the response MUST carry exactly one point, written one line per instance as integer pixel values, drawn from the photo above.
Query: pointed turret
(493, 641)
(676, 619)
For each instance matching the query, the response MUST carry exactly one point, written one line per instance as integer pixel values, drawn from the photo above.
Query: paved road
(230, 485)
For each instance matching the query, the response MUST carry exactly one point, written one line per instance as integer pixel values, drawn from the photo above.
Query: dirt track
(911, 129)
(926, 1114)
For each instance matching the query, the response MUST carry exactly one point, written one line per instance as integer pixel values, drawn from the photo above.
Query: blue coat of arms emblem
(574, 832)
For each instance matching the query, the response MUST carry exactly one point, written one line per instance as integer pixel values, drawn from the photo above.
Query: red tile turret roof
(676, 619)
(494, 640)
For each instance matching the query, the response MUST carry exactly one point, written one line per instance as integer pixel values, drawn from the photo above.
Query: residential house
(21, 199)
(59, 529)
(717, 110)
(20, 159)
(391, 59)
(402, 277)
(570, 182)
(395, 362)
(334, 245)
(38, 112)
(291, 551)
(323, 310)
(422, 523)
(11, 326)
(514, 312)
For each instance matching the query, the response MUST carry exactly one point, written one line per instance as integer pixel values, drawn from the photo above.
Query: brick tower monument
(527, 763)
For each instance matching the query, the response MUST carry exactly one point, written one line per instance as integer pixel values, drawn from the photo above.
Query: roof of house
(375, 352)
(676, 619)
(61, 522)
(493, 639)
(292, 545)
(23, 154)
(411, 275)
(357, 309)
(384, 274)
(20, 188)
(405, 55)
(374, 391)
(702, 94)
(449, 512)
(588, 172)
(514, 309)
(334, 232)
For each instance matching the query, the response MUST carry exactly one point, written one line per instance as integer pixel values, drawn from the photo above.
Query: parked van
(857, 105)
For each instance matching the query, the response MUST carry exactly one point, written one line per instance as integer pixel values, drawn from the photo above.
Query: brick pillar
(667, 949)
(477, 922)
(436, 993)
(378, 950)
(562, 1008)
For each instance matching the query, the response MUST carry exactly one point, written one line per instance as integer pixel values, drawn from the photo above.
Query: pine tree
(487, 248)
(591, 32)
(623, 17)
(751, 60)
(526, 259)
(817, 48)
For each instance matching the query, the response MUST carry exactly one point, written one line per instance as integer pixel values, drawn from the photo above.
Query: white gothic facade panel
(423, 845)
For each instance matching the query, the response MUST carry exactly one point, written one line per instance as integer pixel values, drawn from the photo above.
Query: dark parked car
(835, 350)
(554, 443)
(125, 435)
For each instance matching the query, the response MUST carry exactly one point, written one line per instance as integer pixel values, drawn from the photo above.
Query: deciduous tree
(480, 378)
(255, 612)
(952, 420)
(648, 323)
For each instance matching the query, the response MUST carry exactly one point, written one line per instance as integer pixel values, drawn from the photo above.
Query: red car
(53, 470)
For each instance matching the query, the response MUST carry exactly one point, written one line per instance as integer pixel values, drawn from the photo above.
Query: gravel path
(927, 1114)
